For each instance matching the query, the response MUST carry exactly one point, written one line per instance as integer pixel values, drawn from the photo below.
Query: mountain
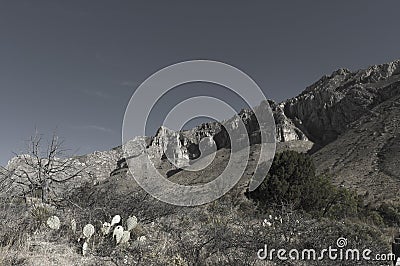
(348, 122)
(326, 108)
(355, 120)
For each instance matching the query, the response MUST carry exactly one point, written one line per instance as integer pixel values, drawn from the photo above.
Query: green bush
(292, 180)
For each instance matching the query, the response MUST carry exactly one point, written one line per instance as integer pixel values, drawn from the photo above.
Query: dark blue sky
(73, 65)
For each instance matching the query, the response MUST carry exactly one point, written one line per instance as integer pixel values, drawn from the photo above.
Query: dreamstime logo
(341, 242)
(338, 253)
(148, 94)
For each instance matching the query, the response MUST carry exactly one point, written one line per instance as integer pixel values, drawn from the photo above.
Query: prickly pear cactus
(131, 223)
(88, 230)
(105, 229)
(126, 236)
(115, 220)
(118, 233)
(73, 226)
(53, 222)
(85, 248)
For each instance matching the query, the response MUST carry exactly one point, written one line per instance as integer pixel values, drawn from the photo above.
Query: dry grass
(228, 231)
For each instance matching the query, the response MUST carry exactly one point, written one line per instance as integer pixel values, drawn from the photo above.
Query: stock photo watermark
(337, 252)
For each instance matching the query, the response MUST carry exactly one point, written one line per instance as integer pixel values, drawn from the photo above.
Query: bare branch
(70, 177)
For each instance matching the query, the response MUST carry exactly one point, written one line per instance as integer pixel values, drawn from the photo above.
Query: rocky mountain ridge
(325, 109)
(320, 113)
(351, 119)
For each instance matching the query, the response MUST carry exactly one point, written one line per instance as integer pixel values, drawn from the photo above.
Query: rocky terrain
(326, 108)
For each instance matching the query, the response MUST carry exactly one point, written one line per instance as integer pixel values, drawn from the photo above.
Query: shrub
(292, 180)
(40, 214)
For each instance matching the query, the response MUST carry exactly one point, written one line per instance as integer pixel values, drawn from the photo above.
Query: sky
(72, 66)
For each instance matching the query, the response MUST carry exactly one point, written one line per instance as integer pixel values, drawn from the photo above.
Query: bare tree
(41, 169)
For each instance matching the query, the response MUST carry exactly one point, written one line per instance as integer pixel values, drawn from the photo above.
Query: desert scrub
(39, 214)
(10, 257)
(16, 226)
(14, 235)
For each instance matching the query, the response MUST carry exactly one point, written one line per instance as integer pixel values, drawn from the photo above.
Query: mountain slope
(353, 117)
(326, 108)
(367, 155)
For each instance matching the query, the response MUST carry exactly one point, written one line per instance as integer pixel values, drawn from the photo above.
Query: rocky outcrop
(286, 129)
(100, 164)
(183, 146)
(326, 108)
(170, 144)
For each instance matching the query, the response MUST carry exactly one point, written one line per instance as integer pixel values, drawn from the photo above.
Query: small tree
(289, 180)
(40, 169)
(292, 180)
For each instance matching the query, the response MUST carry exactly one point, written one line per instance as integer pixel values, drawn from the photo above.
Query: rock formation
(184, 145)
(326, 108)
